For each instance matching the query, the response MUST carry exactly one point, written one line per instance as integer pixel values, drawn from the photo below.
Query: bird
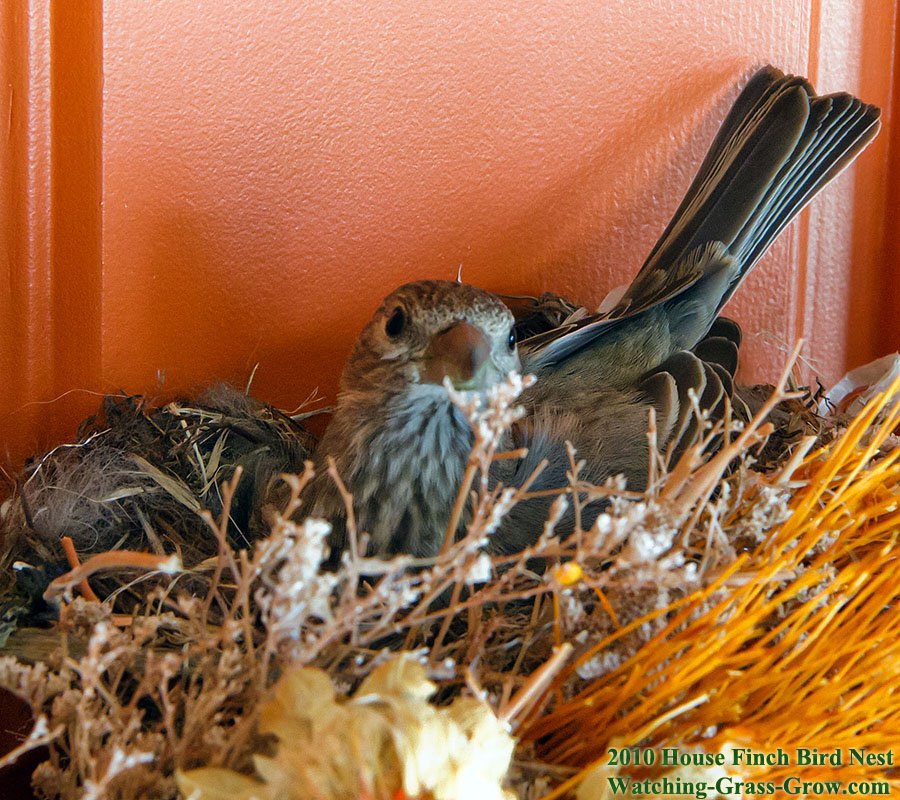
(401, 446)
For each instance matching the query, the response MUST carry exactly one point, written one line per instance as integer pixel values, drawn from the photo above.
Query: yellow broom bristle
(795, 644)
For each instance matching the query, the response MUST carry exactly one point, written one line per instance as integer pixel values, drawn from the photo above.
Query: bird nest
(727, 609)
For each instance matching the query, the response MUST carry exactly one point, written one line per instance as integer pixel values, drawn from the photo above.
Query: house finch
(401, 445)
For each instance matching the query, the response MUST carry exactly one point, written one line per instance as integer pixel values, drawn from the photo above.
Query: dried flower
(386, 739)
(568, 573)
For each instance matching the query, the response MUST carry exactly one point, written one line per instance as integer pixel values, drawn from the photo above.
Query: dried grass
(702, 612)
(138, 479)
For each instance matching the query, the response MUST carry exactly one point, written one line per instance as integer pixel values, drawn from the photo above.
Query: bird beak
(460, 353)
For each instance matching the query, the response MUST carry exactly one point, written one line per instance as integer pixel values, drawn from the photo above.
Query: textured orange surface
(191, 188)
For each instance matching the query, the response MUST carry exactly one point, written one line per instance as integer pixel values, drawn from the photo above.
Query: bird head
(427, 331)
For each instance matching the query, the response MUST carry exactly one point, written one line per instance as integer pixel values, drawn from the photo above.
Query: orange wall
(191, 188)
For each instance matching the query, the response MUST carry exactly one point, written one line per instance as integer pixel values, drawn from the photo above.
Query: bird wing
(707, 263)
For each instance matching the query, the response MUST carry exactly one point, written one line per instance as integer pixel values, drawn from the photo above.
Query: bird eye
(396, 324)
(511, 341)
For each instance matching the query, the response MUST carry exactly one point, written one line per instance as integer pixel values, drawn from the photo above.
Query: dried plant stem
(116, 559)
(347, 498)
(75, 563)
(220, 530)
(536, 685)
(699, 483)
(458, 506)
